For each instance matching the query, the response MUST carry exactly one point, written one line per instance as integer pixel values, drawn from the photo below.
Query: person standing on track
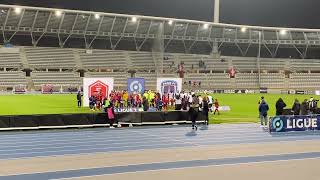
(205, 109)
(263, 109)
(193, 111)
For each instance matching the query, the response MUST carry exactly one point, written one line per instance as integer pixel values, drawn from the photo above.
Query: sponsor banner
(263, 90)
(128, 109)
(294, 123)
(220, 91)
(133, 110)
(169, 85)
(20, 89)
(300, 92)
(96, 87)
(48, 89)
(136, 85)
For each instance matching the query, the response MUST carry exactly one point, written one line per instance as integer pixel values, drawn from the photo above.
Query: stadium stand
(56, 78)
(116, 63)
(301, 81)
(12, 78)
(50, 57)
(97, 59)
(11, 60)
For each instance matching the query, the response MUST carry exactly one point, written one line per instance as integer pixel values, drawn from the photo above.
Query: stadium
(49, 57)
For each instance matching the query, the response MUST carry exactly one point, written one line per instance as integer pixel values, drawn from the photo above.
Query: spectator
(178, 102)
(210, 102)
(145, 104)
(304, 107)
(199, 83)
(193, 111)
(110, 113)
(79, 99)
(205, 109)
(279, 107)
(296, 107)
(216, 106)
(263, 109)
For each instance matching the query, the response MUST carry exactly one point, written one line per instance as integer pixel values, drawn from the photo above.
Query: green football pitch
(244, 107)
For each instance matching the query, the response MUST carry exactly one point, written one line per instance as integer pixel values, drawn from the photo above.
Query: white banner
(96, 86)
(169, 85)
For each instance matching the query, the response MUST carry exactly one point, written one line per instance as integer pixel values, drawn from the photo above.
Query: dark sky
(284, 13)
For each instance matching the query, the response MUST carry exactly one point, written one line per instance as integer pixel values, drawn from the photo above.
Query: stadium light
(244, 29)
(206, 26)
(283, 32)
(83, 16)
(97, 16)
(17, 10)
(170, 22)
(134, 19)
(58, 13)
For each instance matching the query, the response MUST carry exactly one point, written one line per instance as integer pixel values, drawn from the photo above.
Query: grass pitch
(244, 107)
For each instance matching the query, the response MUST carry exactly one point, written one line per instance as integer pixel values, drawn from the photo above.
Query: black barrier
(4, 122)
(152, 117)
(93, 118)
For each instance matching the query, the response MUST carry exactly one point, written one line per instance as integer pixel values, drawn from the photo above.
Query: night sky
(283, 13)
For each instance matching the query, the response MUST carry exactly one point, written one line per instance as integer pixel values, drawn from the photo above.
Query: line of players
(150, 99)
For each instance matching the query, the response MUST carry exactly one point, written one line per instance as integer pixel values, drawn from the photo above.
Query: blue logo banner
(294, 123)
(136, 85)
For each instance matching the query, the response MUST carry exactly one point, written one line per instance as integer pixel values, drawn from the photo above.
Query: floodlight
(17, 10)
(243, 29)
(170, 22)
(58, 13)
(206, 26)
(283, 32)
(134, 19)
(97, 16)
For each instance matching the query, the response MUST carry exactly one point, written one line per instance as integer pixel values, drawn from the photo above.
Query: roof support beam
(111, 30)
(44, 31)
(124, 29)
(98, 31)
(71, 32)
(4, 26)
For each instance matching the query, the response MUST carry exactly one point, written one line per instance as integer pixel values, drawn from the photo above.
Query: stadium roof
(65, 24)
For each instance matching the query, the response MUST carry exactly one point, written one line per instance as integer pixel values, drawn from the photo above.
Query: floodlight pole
(258, 60)
(216, 18)
(215, 48)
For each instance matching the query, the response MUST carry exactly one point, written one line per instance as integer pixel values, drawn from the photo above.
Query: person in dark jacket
(263, 109)
(79, 99)
(145, 104)
(304, 107)
(205, 109)
(193, 111)
(296, 107)
(279, 107)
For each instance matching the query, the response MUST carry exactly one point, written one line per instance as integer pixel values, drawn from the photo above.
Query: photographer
(304, 107)
(312, 105)
(296, 107)
(279, 107)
